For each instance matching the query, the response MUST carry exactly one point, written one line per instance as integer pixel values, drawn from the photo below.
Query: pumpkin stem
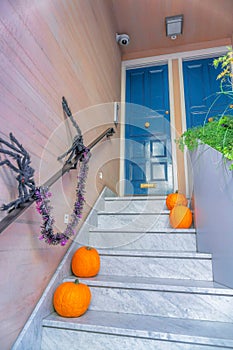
(176, 191)
(76, 281)
(88, 248)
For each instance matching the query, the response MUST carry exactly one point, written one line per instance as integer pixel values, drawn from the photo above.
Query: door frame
(153, 61)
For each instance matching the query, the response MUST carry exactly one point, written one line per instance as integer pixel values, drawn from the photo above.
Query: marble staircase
(154, 290)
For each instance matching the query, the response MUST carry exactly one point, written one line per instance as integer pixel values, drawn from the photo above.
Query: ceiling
(144, 22)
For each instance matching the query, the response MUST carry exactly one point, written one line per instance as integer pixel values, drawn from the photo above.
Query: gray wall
(213, 196)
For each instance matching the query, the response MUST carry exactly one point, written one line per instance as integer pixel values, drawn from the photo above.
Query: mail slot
(147, 185)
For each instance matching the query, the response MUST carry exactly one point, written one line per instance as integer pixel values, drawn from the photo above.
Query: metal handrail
(13, 215)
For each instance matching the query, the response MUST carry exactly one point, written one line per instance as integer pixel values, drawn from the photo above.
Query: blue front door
(201, 87)
(148, 163)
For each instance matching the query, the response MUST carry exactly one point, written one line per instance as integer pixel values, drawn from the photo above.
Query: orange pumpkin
(174, 199)
(85, 262)
(180, 217)
(72, 299)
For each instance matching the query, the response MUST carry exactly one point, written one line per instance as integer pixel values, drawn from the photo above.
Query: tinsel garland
(42, 197)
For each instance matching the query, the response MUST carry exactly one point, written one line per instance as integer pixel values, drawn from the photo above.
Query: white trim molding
(172, 125)
(122, 133)
(184, 124)
(140, 62)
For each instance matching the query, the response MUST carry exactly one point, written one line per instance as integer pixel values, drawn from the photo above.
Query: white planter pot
(213, 197)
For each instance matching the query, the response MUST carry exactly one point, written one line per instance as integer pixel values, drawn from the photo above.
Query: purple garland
(44, 208)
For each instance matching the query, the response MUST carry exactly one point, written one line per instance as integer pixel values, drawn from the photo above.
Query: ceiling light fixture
(174, 26)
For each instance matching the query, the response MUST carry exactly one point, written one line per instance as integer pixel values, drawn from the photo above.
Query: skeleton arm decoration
(26, 183)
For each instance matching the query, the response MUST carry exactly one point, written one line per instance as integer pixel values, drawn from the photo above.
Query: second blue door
(148, 163)
(202, 97)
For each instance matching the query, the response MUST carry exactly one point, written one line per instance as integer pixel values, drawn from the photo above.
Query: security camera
(122, 39)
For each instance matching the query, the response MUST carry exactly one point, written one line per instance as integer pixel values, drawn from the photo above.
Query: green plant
(225, 62)
(217, 133)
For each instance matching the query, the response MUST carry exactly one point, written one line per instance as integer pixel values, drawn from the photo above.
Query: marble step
(125, 221)
(135, 204)
(114, 330)
(181, 240)
(161, 297)
(147, 263)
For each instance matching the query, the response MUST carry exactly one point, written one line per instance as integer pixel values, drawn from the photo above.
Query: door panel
(157, 97)
(137, 88)
(147, 138)
(201, 87)
(158, 171)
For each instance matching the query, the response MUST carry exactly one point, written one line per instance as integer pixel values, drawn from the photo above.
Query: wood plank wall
(50, 49)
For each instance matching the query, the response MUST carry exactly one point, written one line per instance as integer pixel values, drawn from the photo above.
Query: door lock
(147, 124)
